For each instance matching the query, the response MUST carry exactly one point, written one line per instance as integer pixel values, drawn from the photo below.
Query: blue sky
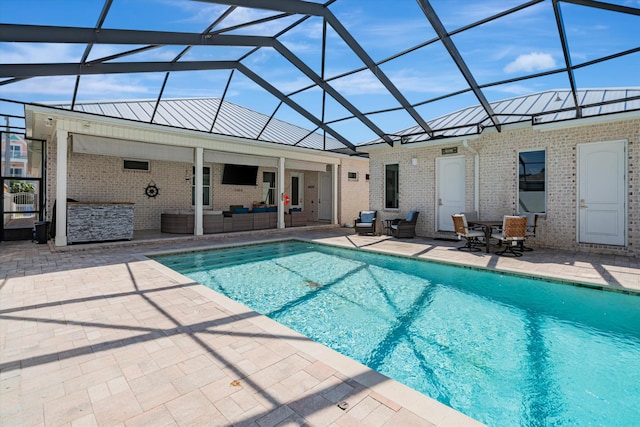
(522, 43)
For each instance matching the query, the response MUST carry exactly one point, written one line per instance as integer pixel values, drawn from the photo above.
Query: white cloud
(40, 88)
(535, 61)
(23, 53)
(122, 85)
(358, 84)
(516, 89)
(60, 87)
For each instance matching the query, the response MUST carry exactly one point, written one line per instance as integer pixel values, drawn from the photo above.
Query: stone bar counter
(99, 221)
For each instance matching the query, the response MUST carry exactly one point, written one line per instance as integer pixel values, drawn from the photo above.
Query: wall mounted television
(239, 174)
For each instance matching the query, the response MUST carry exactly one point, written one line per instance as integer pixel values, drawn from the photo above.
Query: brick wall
(354, 194)
(498, 179)
(93, 178)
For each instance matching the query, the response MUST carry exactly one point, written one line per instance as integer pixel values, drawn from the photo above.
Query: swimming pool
(504, 350)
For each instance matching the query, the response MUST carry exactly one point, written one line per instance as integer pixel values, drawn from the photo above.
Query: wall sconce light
(414, 161)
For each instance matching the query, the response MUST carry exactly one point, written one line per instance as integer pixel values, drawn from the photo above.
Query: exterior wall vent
(136, 165)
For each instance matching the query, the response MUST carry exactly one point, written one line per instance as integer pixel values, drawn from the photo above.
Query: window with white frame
(16, 151)
(391, 186)
(206, 186)
(16, 171)
(532, 188)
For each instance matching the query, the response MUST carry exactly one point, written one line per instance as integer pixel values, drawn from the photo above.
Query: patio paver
(101, 335)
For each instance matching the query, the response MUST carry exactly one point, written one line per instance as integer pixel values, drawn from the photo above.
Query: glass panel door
(296, 190)
(21, 174)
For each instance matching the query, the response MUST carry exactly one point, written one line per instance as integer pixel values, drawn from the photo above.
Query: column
(334, 194)
(61, 187)
(199, 230)
(281, 186)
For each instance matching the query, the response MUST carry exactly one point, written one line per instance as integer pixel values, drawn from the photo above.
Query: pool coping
(389, 391)
(541, 277)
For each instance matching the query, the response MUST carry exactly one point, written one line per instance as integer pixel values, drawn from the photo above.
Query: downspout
(476, 176)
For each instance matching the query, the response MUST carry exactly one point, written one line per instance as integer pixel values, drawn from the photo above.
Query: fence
(24, 203)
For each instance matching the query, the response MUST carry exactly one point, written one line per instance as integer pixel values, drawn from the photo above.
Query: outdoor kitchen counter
(99, 221)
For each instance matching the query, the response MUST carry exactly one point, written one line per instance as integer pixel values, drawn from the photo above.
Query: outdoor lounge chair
(366, 222)
(472, 237)
(296, 217)
(513, 235)
(405, 227)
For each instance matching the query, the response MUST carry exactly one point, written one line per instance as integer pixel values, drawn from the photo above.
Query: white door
(297, 190)
(450, 193)
(601, 192)
(325, 201)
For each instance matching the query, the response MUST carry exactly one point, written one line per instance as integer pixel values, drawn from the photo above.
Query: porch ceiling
(324, 75)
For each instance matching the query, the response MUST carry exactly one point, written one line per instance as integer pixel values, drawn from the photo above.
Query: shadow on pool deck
(101, 335)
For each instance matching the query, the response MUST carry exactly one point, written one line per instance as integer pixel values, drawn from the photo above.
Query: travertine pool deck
(101, 335)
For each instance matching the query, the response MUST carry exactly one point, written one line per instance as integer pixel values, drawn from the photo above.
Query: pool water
(502, 349)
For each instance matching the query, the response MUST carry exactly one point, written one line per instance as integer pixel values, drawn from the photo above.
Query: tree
(22, 187)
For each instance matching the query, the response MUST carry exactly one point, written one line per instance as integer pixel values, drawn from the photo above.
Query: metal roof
(301, 61)
(538, 108)
(212, 116)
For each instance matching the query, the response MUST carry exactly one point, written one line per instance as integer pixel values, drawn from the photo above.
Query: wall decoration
(152, 190)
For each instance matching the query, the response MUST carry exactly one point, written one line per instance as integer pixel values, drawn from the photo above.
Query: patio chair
(514, 233)
(532, 223)
(472, 237)
(366, 222)
(405, 227)
(472, 216)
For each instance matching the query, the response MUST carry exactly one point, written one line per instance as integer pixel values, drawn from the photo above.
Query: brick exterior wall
(354, 195)
(94, 178)
(498, 155)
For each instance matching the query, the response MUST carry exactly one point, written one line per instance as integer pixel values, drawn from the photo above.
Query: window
(391, 187)
(206, 186)
(352, 176)
(532, 196)
(16, 171)
(269, 187)
(16, 152)
(295, 190)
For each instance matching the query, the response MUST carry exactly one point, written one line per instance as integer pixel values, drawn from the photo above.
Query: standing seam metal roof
(543, 107)
(199, 113)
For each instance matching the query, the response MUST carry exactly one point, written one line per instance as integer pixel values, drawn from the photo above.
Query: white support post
(61, 187)
(281, 191)
(199, 229)
(334, 183)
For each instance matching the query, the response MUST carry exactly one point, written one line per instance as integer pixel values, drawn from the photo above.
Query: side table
(387, 226)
